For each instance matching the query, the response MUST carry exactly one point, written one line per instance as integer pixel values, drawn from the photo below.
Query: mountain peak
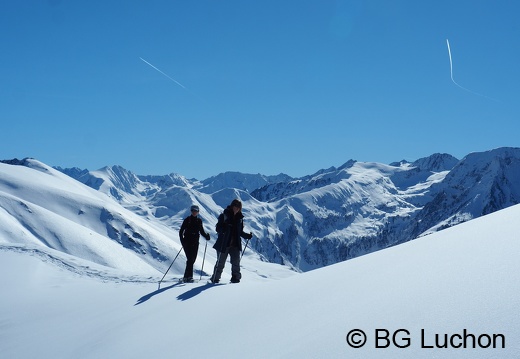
(16, 161)
(437, 162)
(242, 181)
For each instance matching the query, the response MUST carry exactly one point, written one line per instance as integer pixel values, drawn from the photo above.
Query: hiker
(189, 235)
(230, 228)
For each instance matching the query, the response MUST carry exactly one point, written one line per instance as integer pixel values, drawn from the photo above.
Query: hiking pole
(244, 248)
(204, 257)
(170, 266)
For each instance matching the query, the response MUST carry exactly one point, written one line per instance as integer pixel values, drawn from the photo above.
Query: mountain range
(304, 223)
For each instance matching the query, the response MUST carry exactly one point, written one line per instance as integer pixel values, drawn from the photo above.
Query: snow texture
(463, 278)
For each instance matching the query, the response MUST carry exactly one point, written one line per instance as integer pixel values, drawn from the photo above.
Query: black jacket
(191, 228)
(230, 228)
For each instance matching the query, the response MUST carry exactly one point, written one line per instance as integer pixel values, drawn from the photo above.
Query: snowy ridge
(480, 184)
(46, 208)
(240, 181)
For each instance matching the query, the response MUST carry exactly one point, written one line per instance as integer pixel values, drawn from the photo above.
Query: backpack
(220, 227)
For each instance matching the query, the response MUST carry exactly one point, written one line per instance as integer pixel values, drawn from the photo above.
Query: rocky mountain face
(480, 184)
(332, 215)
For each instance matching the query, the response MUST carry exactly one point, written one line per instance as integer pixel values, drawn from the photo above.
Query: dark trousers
(234, 255)
(191, 248)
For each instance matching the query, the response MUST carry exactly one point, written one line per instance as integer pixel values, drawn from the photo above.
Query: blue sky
(267, 86)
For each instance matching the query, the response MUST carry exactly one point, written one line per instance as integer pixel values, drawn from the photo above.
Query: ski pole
(170, 266)
(244, 249)
(204, 257)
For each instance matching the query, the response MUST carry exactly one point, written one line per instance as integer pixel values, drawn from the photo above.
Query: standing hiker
(230, 228)
(189, 235)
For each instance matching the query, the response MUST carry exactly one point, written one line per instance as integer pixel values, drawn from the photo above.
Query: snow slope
(463, 278)
(47, 212)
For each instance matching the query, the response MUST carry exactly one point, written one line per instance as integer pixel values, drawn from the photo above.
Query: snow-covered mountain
(480, 184)
(47, 212)
(46, 209)
(305, 223)
(240, 181)
(336, 213)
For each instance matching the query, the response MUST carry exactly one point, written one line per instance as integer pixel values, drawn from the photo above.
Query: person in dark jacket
(189, 235)
(230, 228)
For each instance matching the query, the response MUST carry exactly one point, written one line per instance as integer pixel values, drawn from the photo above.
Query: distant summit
(437, 162)
(241, 181)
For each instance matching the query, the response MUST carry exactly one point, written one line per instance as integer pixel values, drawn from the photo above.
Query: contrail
(451, 75)
(451, 66)
(177, 82)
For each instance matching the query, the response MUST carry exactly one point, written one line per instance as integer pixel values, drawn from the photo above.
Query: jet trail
(451, 75)
(451, 69)
(451, 66)
(177, 82)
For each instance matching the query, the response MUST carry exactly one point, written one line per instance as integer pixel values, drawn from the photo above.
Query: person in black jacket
(189, 235)
(230, 228)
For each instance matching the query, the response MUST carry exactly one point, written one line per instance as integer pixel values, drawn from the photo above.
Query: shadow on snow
(182, 297)
(195, 291)
(158, 291)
